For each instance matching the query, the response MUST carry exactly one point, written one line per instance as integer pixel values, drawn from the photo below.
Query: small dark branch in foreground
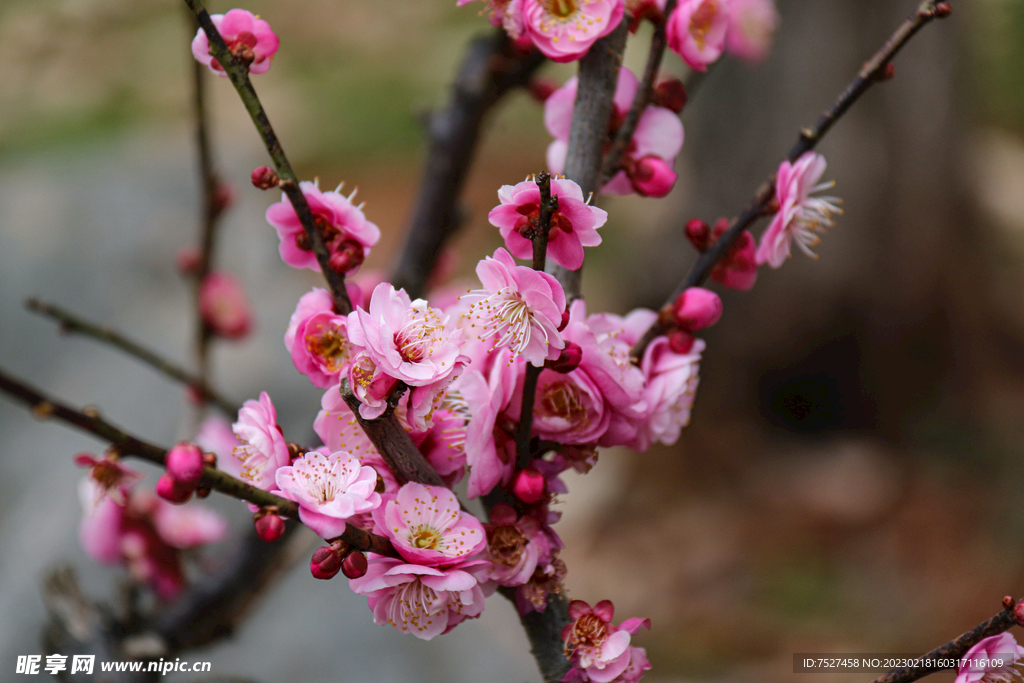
(72, 324)
(613, 157)
(526, 416)
(239, 76)
(88, 420)
(544, 631)
(491, 67)
(394, 444)
(954, 649)
(809, 138)
(539, 235)
(598, 74)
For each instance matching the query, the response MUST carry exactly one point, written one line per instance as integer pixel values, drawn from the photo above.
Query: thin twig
(89, 420)
(809, 138)
(954, 649)
(598, 74)
(72, 324)
(239, 76)
(490, 68)
(624, 135)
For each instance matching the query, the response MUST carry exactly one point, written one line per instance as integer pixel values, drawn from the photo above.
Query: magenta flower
(110, 477)
(600, 649)
(991, 660)
(427, 527)
(188, 526)
(565, 29)
(738, 268)
(696, 31)
(224, 306)
(515, 547)
(800, 217)
(573, 226)
(752, 25)
(406, 340)
(317, 338)
(444, 443)
(247, 36)
(671, 386)
(648, 161)
(518, 307)
(330, 489)
(423, 601)
(261, 449)
(343, 226)
(490, 452)
(215, 436)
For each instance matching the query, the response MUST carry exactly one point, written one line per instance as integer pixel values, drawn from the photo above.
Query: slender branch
(490, 68)
(613, 157)
(598, 74)
(239, 75)
(393, 443)
(544, 631)
(954, 649)
(868, 75)
(89, 420)
(72, 324)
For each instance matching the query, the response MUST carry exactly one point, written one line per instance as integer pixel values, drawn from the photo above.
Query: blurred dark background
(850, 480)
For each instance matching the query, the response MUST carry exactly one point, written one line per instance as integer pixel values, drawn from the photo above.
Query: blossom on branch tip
(342, 225)
(224, 306)
(427, 527)
(696, 31)
(696, 308)
(565, 29)
(801, 217)
(994, 659)
(671, 378)
(573, 225)
(752, 24)
(110, 477)
(317, 337)
(330, 489)
(249, 38)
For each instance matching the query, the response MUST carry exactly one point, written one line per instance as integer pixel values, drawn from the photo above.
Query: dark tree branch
(72, 324)
(598, 74)
(868, 75)
(490, 68)
(544, 631)
(239, 76)
(393, 443)
(613, 157)
(954, 649)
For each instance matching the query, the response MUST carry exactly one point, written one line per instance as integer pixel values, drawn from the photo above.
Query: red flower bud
(541, 88)
(325, 563)
(264, 177)
(697, 308)
(698, 232)
(568, 360)
(350, 254)
(269, 526)
(354, 566)
(184, 463)
(942, 10)
(170, 490)
(1018, 613)
(188, 260)
(652, 177)
(671, 94)
(529, 485)
(680, 342)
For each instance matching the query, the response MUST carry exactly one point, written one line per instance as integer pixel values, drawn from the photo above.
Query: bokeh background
(851, 479)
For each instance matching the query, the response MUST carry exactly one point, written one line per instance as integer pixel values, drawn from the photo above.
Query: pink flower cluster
(248, 37)
(601, 651)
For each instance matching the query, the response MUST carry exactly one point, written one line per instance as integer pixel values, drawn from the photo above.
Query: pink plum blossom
(573, 226)
(423, 601)
(110, 477)
(427, 527)
(317, 338)
(696, 31)
(507, 14)
(490, 452)
(342, 225)
(518, 307)
(215, 436)
(224, 306)
(188, 526)
(245, 34)
(261, 449)
(991, 660)
(330, 489)
(532, 596)
(670, 388)
(444, 443)
(738, 268)
(651, 154)
(752, 24)
(696, 308)
(565, 29)
(515, 546)
(600, 649)
(338, 428)
(800, 217)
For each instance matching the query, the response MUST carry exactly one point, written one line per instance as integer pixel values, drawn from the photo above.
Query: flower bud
(653, 177)
(325, 563)
(697, 308)
(264, 177)
(269, 526)
(698, 232)
(1018, 613)
(671, 94)
(171, 491)
(540, 89)
(354, 566)
(223, 197)
(680, 342)
(888, 72)
(224, 307)
(529, 485)
(350, 255)
(568, 360)
(942, 10)
(184, 463)
(188, 260)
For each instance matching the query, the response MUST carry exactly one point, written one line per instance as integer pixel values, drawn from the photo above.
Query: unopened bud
(697, 308)
(350, 255)
(184, 463)
(671, 94)
(188, 260)
(943, 10)
(171, 491)
(652, 176)
(264, 177)
(698, 232)
(680, 342)
(1018, 613)
(269, 526)
(223, 197)
(540, 89)
(325, 563)
(568, 360)
(354, 566)
(888, 71)
(1008, 601)
(529, 485)
(210, 460)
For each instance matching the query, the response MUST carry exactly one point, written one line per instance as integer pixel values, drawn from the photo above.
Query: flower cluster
(700, 30)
